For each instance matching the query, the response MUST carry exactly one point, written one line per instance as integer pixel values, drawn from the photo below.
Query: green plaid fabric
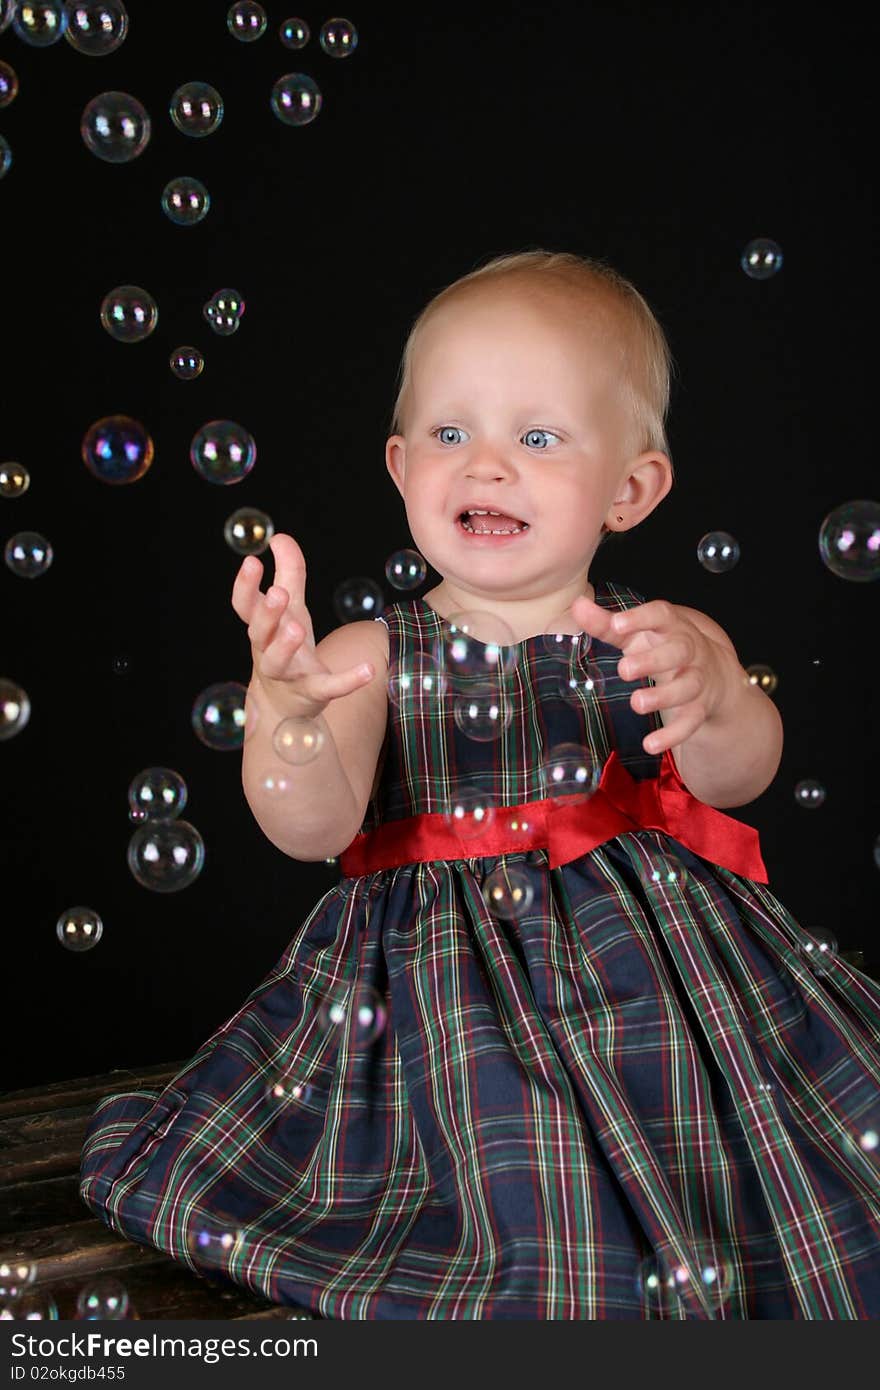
(642, 1094)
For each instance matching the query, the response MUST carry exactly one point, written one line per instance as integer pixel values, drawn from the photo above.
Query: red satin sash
(567, 830)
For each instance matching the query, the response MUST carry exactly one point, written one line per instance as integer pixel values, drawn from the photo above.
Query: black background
(661, 138)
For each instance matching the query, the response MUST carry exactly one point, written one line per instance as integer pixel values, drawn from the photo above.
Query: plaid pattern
(637, 1100)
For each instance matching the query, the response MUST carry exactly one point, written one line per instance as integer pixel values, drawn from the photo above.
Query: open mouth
(479, 522)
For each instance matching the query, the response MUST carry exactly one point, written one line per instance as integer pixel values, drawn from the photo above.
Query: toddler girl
(550, 1049)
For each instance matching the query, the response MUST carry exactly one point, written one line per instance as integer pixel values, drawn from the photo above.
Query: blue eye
(443, 429)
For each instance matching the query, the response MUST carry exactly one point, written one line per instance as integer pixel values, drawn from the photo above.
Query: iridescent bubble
(246, 21)
(366, 1010)
(761, 258)
(7, 10)
(15, 708)
(218, 716)
(564, 645)
(214, 1240)
(405, 569)
(764, 677)
(34, 1306)
(508, 892)
(165, 855)
(8, 85)
(809, 793)
(79, 928)
(196, 109)
(28, 554)
(474, 646)
(186, 363)
(5, 156)
(818, 949)
(718, 552)
(224, 312)
(248, 531)
(358, 598)
(97, 29)
(129, 313)
(185, 200)
(223, 452)
(298, 741)
(115, 127)
(483, 713)
(158, 791)
(296, 99)
(294, 33)
(585, 683)
(569, 773)
(40, 24)
(117, 449)
(104, 1298)
(469, 810)
(17, 1272)
(14, 480)
(338, 37)
(416, 684)
(288, 1091)
(849, 541)
(663, 874)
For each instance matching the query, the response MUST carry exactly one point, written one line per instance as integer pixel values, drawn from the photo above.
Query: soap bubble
(288, 1091)
(482, 714)
(405, 569)
(294, 33)
(218, 716)
(40, 24)
(296, 99)
(17, 1272)
(587, 684)
(104, 1298)
(849, 541)
(508, 892)
(298, 741)
(96, 29)
(761, 259)
(187, 363)
(764, 677)
(115, 127)
(158, 791)
(224, 311)
(117, 449)
(14, 480)
(809, 793)
(569, 773)
(185, 201)
(469, 810)
(165, 855)
(7, 10)
(416, 683)
(5, 156)
(8, 85)
(28, 554)
(564, 645)
(358, 598)
(129, 313)
(79, 929)
(718, 552)
(466, 656)
(15, 708)
(246, 21)
(367, 1012)
(338, 37)
(196, 108)
(34, 1306)
(248, 531)
(223, 452)
(818, 949)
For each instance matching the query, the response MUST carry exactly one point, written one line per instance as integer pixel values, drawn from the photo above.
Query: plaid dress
(642, 1096)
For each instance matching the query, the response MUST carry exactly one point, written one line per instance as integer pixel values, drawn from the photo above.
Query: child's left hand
(691, 671)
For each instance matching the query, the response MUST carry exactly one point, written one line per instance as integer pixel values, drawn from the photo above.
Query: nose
(487, 464)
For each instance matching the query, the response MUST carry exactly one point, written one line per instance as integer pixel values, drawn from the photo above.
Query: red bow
(569, 829)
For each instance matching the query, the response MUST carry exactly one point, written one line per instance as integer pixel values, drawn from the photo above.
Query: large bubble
(8, 85)
(338, 38)
(166, 855)
(196, 109)
(129, 313)
(28, 554)
(187, 362)
(248, 531)
(96, 28)
(185, 200)
(15, 708)
(294, 33)
(219, 717)
(246, 21)
(40, 24)
(117, 449)
(79, 928)
(115, 127)
(223, 452)
(296, 99)
(224, 312)
(849, 541)
(157, 792)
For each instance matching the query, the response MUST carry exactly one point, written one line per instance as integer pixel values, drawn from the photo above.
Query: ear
(395, 459)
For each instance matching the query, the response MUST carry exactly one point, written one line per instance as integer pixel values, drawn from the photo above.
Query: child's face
(513, 408)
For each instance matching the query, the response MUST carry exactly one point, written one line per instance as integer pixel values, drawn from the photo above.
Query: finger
(668, 656)
(269, 611)
(658, 613)
(290, 568)
(594, 620)
(332, 685)
(671, 735)
(246, 587)
(678, 692)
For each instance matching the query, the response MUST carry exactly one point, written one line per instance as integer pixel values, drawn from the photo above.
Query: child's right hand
(295, 681)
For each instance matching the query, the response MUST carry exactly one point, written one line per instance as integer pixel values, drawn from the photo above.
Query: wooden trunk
(43, 1218)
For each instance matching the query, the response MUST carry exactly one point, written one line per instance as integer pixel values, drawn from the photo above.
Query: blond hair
(646, 362)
